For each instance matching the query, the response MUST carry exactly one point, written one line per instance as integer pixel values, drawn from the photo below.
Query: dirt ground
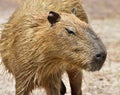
(104, 82)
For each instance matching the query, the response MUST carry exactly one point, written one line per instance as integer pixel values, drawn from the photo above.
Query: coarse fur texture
(44, 6)
(38, 53)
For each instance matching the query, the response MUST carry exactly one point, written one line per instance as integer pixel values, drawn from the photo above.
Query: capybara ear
(74, 10)
(53, 17)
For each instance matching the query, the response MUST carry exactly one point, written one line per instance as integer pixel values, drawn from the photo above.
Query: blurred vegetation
(94, 8)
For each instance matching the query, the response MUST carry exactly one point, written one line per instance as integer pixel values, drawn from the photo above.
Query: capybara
(45, 38)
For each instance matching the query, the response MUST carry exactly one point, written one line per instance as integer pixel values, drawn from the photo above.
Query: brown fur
(44, 6)
(38, 54)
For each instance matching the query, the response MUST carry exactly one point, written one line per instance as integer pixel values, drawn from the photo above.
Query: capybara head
(73, 41)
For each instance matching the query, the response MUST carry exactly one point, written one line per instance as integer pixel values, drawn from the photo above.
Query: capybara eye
(70, 31)
(74, 10)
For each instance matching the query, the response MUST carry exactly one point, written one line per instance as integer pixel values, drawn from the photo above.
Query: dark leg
(75, 77)
(52, 85)
(52, 89)
(63, 88)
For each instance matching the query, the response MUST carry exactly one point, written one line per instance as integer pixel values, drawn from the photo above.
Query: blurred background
(104, 17)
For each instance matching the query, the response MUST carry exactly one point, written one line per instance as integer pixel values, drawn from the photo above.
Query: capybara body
(45, 38)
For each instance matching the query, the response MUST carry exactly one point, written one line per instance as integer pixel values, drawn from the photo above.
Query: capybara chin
(41, 41)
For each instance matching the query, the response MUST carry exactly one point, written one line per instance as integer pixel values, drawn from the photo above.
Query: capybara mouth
(96, 66)
(97, 62)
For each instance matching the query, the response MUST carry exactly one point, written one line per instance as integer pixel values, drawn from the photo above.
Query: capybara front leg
(20, 88)
(75, 77)
(62, 89)
(23, 86)
(52, 88)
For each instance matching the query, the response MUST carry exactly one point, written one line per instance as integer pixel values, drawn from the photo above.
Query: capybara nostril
(100, 56)
(98, 61)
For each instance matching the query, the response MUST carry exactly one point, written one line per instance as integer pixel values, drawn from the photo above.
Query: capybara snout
(99, 51)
